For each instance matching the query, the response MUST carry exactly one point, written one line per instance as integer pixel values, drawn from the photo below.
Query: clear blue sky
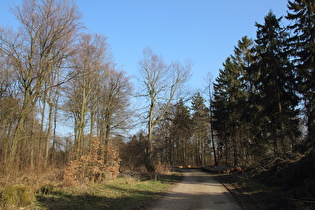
(203, 31)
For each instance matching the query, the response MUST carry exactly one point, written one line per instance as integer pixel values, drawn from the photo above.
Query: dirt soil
(197, 190)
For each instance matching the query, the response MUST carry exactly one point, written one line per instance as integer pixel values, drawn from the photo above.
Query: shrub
(46, 189)
(95, 166)
(19, 195)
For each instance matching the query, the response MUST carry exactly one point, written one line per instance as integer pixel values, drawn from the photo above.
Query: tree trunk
(149, 162)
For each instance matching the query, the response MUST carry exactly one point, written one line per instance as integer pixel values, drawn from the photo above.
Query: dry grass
(123, 192)
(128, 190)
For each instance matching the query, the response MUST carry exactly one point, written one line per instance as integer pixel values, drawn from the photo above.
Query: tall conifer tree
(243, 58)
(227, 104)
(302, 15)
(181, 131)
(201, 128)
(274, 82)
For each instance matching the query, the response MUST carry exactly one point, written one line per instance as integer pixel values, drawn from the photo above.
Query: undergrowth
(278, 184)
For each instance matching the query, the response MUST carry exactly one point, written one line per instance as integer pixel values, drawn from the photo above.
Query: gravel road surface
(197, 190)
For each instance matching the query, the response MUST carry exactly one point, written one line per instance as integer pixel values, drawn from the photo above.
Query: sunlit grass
(115, 194)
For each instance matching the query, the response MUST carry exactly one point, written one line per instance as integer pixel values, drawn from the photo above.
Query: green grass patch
(16, 195)
(115, 194)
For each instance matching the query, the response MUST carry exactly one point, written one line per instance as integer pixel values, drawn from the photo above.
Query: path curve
(197, 190)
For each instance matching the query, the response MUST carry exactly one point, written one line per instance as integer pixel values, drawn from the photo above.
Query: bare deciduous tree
(89, 64)
(99, 95)
(113, 113)
(161, 84)
(37, 51)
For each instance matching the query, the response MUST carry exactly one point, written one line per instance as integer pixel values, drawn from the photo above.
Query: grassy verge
(115, 194)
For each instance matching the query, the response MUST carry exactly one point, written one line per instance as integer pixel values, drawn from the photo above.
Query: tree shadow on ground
(255, 194)
(122, 198)
(61, 200)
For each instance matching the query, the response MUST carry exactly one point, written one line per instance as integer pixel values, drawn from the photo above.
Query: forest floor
(286, 185)
(251, 194)
(125, 192)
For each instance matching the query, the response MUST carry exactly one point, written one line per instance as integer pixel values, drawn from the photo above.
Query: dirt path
(198, 190)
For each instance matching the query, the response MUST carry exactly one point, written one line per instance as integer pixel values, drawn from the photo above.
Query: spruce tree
(243, 58)
(228, 104)
(201, 129)
(181, 131)
(274, 83)
(234, 109)
(302, 42)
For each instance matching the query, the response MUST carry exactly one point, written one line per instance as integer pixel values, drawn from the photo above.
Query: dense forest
(260, 108)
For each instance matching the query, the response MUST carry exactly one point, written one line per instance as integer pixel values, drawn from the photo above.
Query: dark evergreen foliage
(201, 140)
(255, 108)
(231, 103)
(181, 132)
(275, 85)
(302, 47)
(255, 97)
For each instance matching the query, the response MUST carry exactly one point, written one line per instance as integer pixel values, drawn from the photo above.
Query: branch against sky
(36, 52)
(161, 83)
